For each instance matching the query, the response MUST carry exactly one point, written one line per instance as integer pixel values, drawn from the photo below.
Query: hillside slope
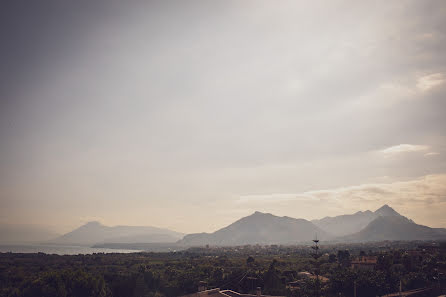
(395, 228)
(259, 228)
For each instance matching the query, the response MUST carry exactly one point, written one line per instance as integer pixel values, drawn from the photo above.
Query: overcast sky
(191, 114)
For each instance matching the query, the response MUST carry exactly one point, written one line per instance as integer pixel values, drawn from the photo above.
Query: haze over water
(59, 250)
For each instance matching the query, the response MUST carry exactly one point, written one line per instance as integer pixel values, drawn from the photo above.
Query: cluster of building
(364, 263)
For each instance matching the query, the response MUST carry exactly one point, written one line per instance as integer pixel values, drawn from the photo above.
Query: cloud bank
(422, 199)
(404, 148)
(121, 109)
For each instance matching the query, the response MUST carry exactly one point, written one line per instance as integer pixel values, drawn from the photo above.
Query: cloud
(269, 198)
(431, 154)
(430, 186)
(420, 199)
(404, 148)
(430, 81)
(186, 107)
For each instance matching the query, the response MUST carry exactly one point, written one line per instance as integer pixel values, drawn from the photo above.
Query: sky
(189, 115)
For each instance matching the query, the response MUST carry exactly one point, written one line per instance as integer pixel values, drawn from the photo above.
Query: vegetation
(242, 269)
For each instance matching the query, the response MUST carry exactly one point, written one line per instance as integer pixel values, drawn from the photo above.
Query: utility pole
(400, 288)
(252, 279)
(316, 256)
(354, 288)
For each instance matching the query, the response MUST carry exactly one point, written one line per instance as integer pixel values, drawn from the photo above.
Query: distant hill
(395, 228)
(353, 223)
(258, 228)
(96, 233)
(24, 234)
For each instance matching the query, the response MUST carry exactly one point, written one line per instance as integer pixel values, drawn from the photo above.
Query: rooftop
(223, 293)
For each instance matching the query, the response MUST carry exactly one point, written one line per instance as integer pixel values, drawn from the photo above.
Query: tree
(332, 258)
(344, 258)
(69, 284)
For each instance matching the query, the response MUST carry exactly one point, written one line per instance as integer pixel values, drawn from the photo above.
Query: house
(225, 293)
(305, 275)
(308, 275)
(364, 263)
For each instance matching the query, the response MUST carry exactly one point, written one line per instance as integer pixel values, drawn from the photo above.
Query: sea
(60, 249)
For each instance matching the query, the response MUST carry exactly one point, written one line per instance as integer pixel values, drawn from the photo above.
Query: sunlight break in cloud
(428, 188)
(431, 154)
(414, 198)
(404, 148)
(430, 81)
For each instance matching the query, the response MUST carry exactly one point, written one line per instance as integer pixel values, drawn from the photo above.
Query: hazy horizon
(191, 115)
(33, 229)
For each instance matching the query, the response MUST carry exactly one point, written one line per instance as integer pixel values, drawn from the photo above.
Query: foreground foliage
(174, 274)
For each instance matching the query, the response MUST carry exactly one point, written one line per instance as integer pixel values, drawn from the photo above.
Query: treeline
(175, 274)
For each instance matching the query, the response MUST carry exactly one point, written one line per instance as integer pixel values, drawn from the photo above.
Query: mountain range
(348, 224)
(24, 234)
(394, 228)
(258, 228)
(264, 228)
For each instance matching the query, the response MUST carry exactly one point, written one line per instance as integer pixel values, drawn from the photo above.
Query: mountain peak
(386, 210)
